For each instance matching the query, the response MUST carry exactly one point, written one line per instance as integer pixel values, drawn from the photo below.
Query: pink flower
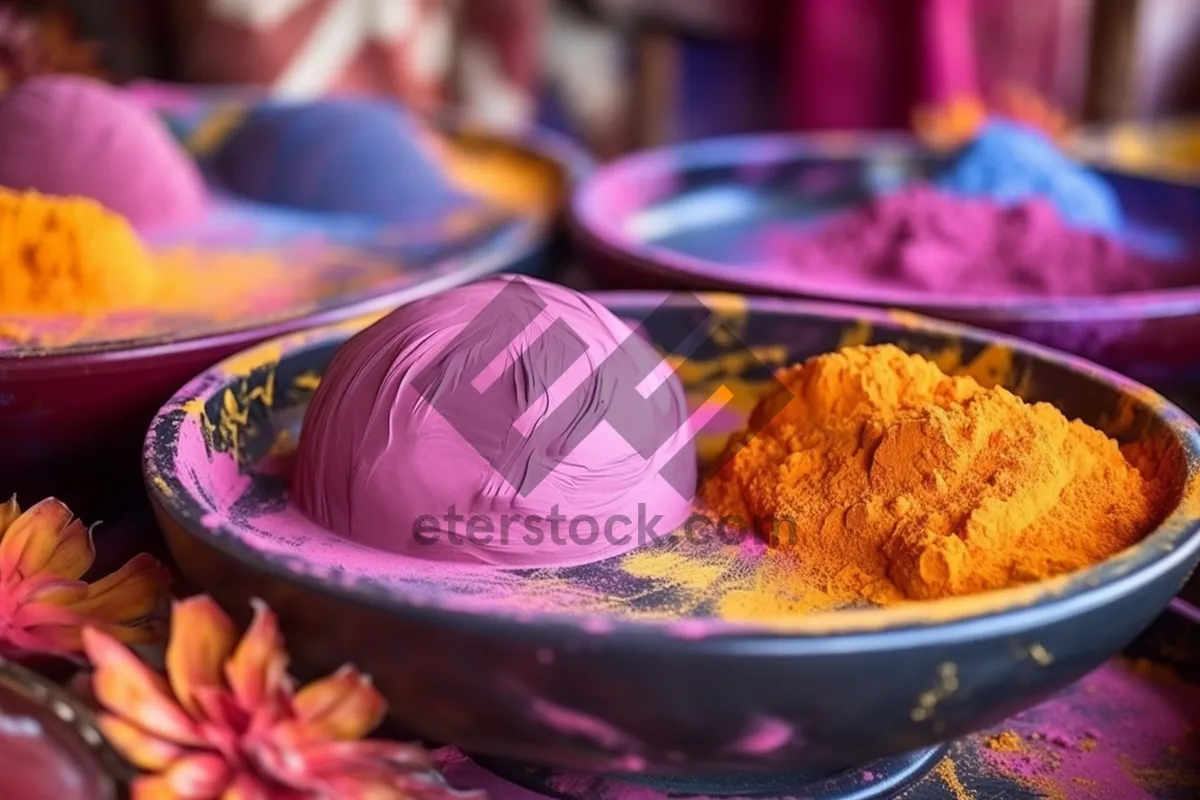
(44, 606)
(225, 723)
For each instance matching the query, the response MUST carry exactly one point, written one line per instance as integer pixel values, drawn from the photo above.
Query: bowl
(602, 669)
(694, 216)
(56, 738)
(72, 418)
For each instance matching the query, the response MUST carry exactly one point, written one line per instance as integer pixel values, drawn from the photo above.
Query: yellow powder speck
(1040, 654)
(1088, 743)
(1006, 742)
(308, 382)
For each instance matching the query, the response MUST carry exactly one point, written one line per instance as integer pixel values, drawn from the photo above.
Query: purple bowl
(72, 419)
(694, 215)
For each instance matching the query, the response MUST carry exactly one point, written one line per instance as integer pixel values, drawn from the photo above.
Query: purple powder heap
(921, 238)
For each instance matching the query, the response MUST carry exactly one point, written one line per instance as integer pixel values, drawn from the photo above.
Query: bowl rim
(525, 238)
(1173, 543)
(600, 229)
(72, 717)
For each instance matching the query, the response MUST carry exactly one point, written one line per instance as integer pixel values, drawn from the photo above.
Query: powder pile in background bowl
(1011, 163)
(1010, 216)
(66, 135)
(885, 480)
(374, 158)
(459, 427)
(347, 156)
(922, 238)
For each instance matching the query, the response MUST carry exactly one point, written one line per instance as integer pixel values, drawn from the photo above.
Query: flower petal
(75, 553)
(152, 787)
(138, 747)
(344, 706)
(46, 640)
(127, 687)
(49, 628)
(329, 758)
(202, 637)
(246, 787)
(199, 776)
(130, 593)
(32, 538)
(51, 589)
(258, 668)
(359, 787)
(8, 512)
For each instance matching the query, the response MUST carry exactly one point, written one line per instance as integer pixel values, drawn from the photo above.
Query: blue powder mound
(1011, 163)
(352, 156)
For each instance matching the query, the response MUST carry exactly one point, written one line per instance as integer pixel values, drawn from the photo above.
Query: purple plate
(694, 215)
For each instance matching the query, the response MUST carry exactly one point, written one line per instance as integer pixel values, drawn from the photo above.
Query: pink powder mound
(924, 239)
(67, 135)
(508, 422)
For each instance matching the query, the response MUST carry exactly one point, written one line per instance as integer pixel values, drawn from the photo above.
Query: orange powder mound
(68, 256)
(886, 480)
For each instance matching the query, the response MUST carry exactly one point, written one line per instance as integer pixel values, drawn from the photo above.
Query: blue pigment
(1012, 164)
(344, 156)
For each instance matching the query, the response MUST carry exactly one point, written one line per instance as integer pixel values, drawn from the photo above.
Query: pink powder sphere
(68, 135)
(508, 422)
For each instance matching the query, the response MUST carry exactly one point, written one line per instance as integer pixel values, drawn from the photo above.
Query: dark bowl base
(877, 779)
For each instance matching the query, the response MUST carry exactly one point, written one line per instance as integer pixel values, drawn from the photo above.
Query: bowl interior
(706, 212)
(218, 461)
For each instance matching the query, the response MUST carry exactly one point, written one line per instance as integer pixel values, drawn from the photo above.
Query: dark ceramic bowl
(695, 215)
(72, 419)
(596, 668)
(55, 730)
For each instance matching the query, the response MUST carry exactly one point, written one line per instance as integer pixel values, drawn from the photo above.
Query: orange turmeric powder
(68, 255)
(888, 480)
(73, 272)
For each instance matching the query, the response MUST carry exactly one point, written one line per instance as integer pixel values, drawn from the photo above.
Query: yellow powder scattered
(886, 480)
(949, 775)
(663, 566)
(1006, 742)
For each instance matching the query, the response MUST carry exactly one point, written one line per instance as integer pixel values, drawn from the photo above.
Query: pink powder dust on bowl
(66, 135)
(507, 422)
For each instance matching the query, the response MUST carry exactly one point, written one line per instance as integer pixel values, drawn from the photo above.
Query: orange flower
(44, 606)
(225, 723)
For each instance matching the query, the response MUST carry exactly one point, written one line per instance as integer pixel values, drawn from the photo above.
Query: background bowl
(695, 215)
(594, 669)
(72, 419)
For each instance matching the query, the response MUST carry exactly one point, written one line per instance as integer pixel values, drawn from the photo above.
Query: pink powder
(497, 423)
(921, 238)
(1146, 727)
(574, 723)
(67, 135)
(765, 736)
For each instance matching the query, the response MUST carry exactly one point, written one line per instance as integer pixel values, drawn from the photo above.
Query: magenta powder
(921, 238)
(497, 423)
(66, 135)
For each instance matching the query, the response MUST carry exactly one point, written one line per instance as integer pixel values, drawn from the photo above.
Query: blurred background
(624, 74)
